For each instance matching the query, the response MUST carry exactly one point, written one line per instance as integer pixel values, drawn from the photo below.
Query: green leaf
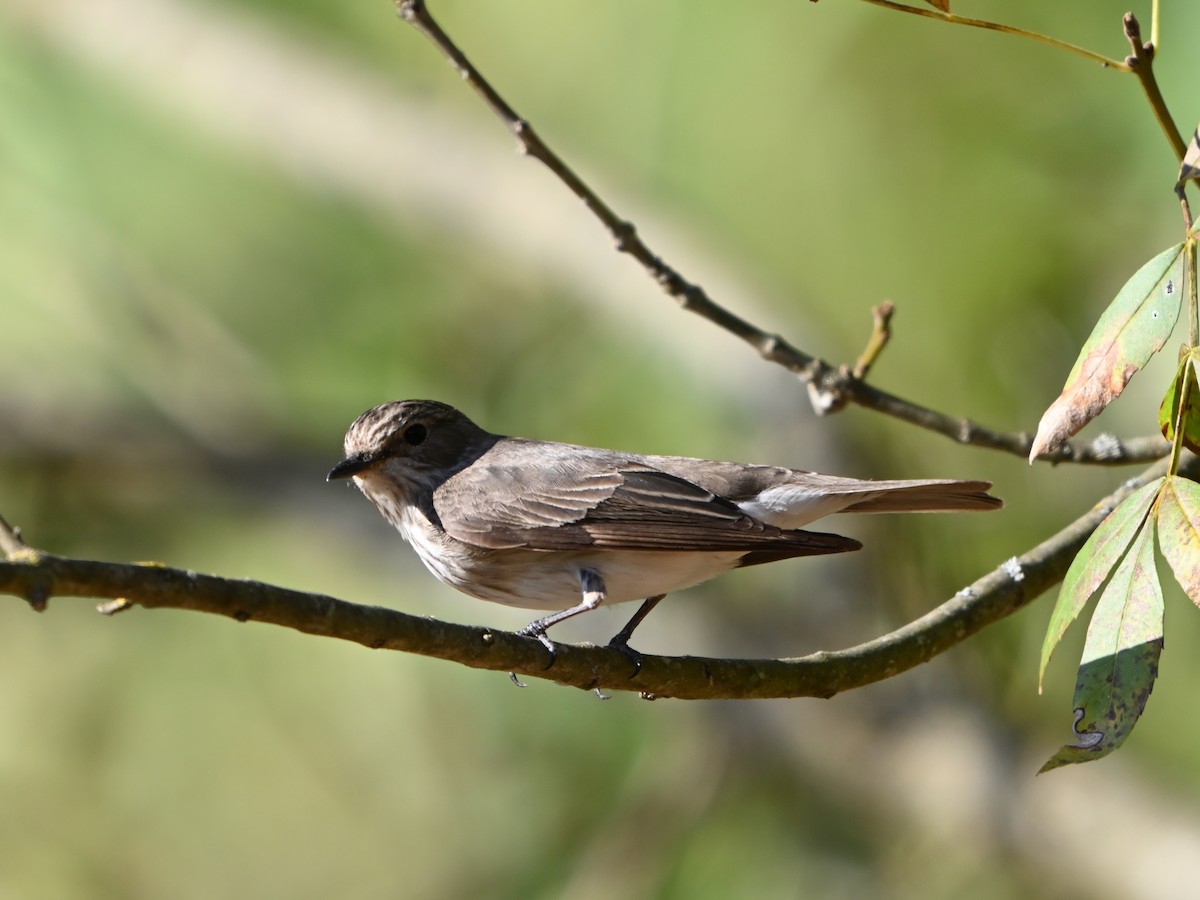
(1120, 657)
(1093, 564)
(1168, 410)
(1133, 328)
(1181, 405)
(1189, 416)
(1179, 532)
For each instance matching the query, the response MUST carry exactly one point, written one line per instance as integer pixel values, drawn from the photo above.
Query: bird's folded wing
(565, 504)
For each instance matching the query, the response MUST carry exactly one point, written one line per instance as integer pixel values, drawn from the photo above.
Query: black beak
(349, 466)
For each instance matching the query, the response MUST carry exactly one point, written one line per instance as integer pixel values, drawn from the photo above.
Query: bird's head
(416, 444)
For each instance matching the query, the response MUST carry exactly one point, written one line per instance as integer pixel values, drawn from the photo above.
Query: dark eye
(415, 434)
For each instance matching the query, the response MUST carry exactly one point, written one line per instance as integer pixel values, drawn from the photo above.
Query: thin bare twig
(1141, 63)
(37, 576)
(830, 387)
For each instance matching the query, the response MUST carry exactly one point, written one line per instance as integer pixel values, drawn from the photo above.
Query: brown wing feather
(656, 511)
(575, 501)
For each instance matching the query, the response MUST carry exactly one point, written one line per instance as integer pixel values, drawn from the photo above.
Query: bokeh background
(229, 227)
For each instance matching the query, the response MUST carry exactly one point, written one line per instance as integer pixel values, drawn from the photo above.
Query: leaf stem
(1189, 275)
(1005, 29)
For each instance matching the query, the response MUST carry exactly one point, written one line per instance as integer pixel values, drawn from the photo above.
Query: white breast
(547, 579)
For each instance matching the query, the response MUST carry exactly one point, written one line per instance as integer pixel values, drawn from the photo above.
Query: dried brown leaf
(1134, 327)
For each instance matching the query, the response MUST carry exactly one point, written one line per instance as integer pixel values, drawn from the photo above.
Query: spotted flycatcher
(554, 526)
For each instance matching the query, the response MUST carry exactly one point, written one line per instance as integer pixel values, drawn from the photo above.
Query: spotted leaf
(1133, 328)
(1120, 657)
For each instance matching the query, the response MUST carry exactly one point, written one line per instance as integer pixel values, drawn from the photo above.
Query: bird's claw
(535, 630)
(621, 645)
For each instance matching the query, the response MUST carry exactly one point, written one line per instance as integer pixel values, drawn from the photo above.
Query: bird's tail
(923, 495)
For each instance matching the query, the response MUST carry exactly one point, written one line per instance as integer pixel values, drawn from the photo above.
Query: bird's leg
(620, 640)
(592, 586)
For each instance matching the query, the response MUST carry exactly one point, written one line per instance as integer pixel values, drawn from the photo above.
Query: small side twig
(36, 592)
(10, 540)
(830, 387)
(881, 333)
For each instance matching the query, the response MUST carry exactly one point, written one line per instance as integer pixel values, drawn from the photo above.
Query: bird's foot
(620, 640)
(620, 643)
(538, 630)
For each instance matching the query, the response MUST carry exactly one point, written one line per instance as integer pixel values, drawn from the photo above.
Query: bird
(555, 526)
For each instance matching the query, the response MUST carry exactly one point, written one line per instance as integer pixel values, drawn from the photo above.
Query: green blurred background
(228, 228)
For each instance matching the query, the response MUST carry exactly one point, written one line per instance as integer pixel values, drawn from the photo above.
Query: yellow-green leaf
(1093, 563)
(1179, 532)
(1134, 327)
(1120, 657)
(1181, 405)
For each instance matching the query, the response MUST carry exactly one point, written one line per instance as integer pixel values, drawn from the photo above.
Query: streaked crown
(419, 439)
